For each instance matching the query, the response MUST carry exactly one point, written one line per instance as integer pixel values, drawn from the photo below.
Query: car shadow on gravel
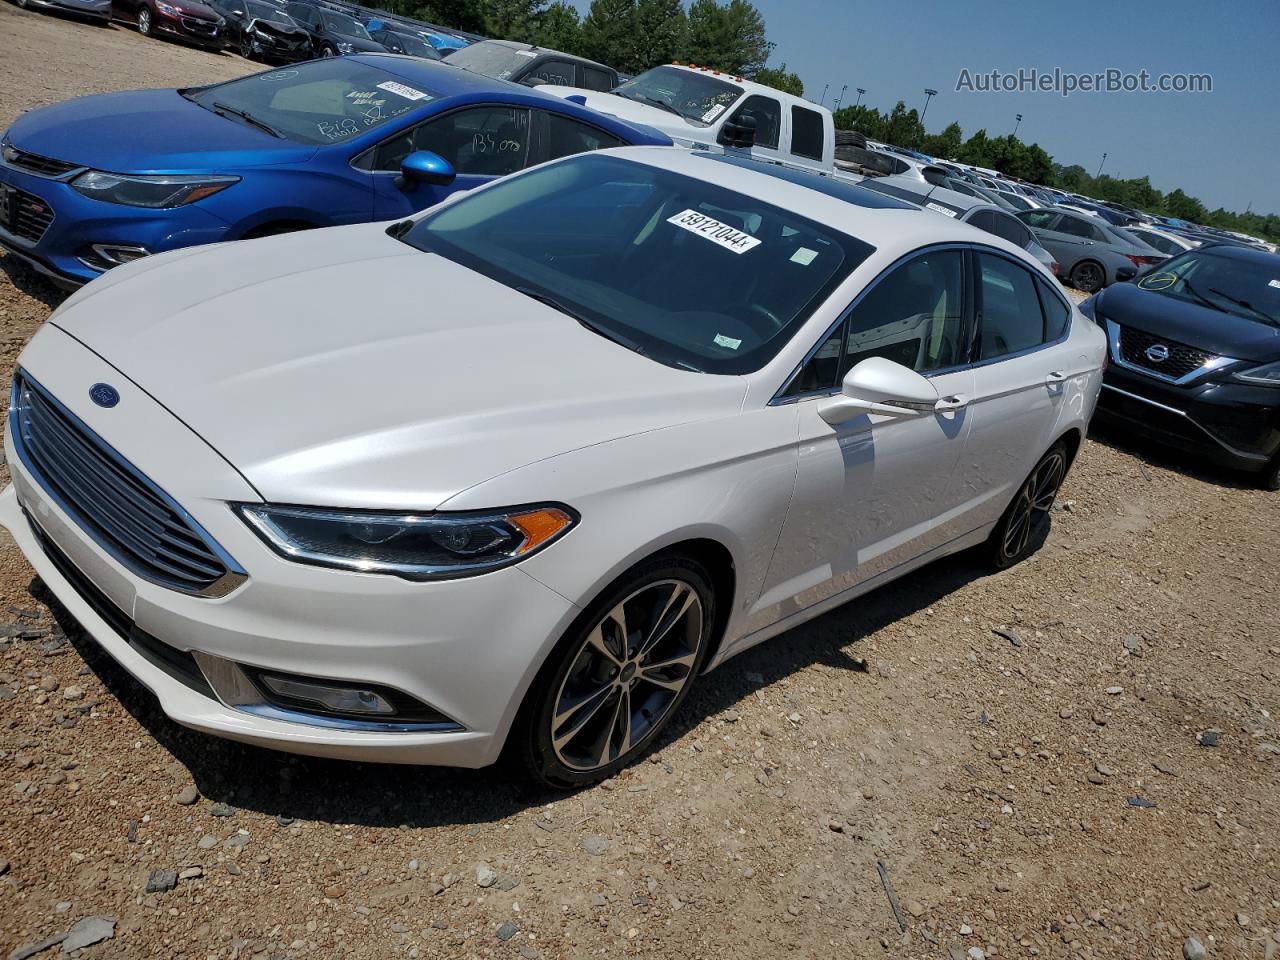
(372, 794)
(1147, 451)
(28, 281)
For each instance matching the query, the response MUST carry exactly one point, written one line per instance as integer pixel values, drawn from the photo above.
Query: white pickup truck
(707, 109)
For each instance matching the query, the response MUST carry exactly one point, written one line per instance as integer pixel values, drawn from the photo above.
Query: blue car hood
(1219, 332)
(148, 131)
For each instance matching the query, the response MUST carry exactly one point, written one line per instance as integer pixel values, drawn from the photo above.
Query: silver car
(1093, 254)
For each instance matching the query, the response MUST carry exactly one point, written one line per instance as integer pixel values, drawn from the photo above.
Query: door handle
(956, 401)
(1054, 378)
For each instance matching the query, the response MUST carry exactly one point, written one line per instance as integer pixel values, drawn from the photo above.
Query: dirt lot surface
(1077, 757)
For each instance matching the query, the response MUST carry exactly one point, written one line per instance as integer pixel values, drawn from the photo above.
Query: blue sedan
(95, 182)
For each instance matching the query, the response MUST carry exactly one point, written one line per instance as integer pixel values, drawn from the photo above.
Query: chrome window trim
(1113, 344)
(228, 582)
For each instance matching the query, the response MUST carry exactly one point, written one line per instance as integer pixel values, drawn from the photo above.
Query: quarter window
(1078, 227)
(767, 113)
(483, 141)
(1011, 320)
(807, 135)
(566, 137)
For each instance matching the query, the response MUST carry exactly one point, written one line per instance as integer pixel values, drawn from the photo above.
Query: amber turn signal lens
(539, 526)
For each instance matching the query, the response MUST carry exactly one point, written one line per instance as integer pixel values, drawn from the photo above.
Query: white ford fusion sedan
(515, 472)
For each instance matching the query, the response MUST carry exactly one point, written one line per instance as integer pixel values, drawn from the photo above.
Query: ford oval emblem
(104, 395)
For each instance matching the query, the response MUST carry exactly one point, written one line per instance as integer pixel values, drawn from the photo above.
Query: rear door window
(808, 136)
(566, 136)
(1010, 317)
(551, 71)
(1079, 227)
(593, 78)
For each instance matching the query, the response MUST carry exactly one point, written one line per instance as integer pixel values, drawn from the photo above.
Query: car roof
(447, 81)
(520, 45)
(1236, 251)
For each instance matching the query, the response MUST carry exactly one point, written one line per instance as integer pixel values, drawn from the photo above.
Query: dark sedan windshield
(697, 97)
(320, 102)
(686, 272)
(341, 24)
(268, 11)
(1246, 288)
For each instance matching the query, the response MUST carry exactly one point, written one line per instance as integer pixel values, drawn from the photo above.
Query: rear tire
(1088, 276)
(618, 676)
(1026, 519)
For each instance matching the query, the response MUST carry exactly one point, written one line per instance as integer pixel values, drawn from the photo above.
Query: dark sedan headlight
(150, 191)
(412, 546)
(344, 47)
(1267, 375)
(168, 9)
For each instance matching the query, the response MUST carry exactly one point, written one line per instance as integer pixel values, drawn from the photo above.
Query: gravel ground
(1076, 757)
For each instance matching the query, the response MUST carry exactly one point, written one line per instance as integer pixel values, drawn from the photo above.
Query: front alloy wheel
(1026, 519)
(620, 674)
(144, 21)
(246, 47)
(1088, 277)
(327, 51)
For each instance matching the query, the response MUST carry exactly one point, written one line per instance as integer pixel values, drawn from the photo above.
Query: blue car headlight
(425, 546)
(150, 191)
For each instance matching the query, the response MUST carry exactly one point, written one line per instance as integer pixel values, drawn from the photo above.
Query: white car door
(868, 490)
(1022, 367)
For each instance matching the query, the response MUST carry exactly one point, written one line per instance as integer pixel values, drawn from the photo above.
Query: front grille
(24, 214)
(127, 514)
(203, 27)
(41, 166)
(288, 41)
(1182, 359)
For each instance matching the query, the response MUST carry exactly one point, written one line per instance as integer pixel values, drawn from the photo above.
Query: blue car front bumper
(53, 227)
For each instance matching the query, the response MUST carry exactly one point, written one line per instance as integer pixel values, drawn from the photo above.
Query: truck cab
(706, 109)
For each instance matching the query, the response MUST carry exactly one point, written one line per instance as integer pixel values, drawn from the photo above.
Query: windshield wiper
(1267, 318)
(1186, 285)
(223, 109)
(555, 304)
(659, 103)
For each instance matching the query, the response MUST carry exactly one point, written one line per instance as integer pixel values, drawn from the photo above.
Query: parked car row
(627, 409)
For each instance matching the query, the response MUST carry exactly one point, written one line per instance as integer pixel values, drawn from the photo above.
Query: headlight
(144, 191)
(344, 47)
(1267, 375)
(167, 8)
(412, 546)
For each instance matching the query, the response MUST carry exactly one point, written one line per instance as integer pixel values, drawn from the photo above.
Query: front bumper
(196, 32)
(1235, 425)
(467, 648)
(78, 222)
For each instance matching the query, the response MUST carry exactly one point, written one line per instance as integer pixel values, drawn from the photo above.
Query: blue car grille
(111, 500)
(24, 214)
(41, 166)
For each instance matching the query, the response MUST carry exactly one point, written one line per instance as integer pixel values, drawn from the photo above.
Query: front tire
(328, 51)
(1026, 519)
(246, 47)
(619, 674)
(144, 21)
(1088, 277)
(1271, 476)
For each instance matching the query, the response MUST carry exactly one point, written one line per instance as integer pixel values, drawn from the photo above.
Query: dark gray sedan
(1092, 253)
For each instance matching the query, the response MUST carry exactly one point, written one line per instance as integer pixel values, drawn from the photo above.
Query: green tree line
(729, 35)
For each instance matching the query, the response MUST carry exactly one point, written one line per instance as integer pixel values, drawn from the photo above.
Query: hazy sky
(1223, 146)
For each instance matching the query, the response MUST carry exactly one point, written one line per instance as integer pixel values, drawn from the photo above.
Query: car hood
(341, 367)
(199, 11)
(675, 127)
(148, 131)
(358, 44)
(1219, 332)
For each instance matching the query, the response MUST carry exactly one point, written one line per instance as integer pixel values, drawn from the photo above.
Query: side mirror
(880, 386)
(424, 166)
(738, 133)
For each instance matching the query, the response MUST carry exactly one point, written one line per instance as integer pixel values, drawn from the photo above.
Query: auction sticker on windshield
(403, 91)
(710, 229)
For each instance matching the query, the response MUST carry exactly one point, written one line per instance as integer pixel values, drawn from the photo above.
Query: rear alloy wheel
(144, 21)
(1087, 277)
(619, 675)
(1027, 517)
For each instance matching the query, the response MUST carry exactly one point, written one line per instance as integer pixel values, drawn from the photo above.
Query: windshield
(698, 98)
(320, 102)
(340, 23)
(491, 59)
(266, 11)
(1242, 287)
(689, 273)
(416, 47)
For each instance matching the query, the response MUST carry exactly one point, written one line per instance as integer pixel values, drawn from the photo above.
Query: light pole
(860, 93)
(929, 94)
(1099, 173)
(840, 99)
(1018, 124)
(822, 102)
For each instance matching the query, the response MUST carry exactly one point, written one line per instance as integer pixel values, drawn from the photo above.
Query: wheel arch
(271, 226)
